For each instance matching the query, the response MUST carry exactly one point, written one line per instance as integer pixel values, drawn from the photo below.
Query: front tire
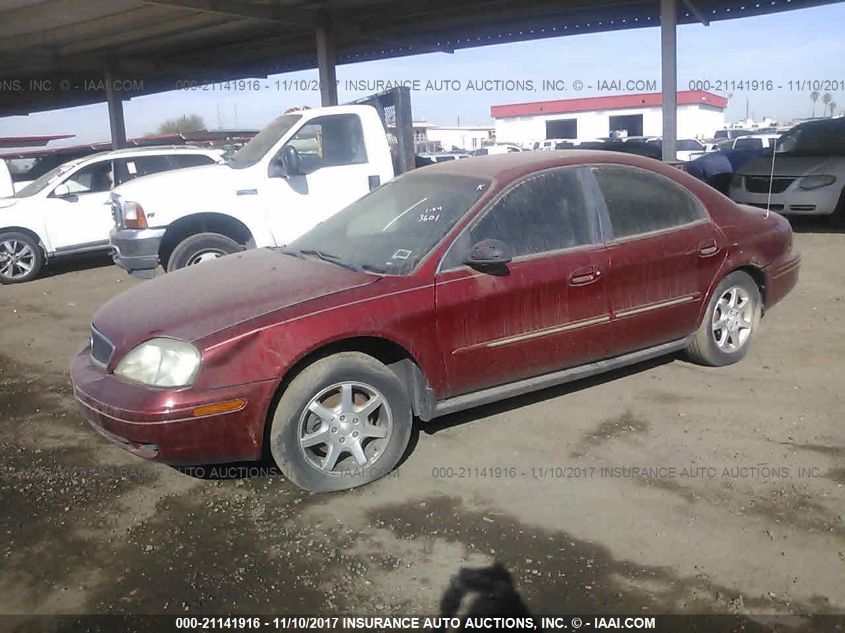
(21, 258)
(200, 248)
(343, 422)
(732, 315)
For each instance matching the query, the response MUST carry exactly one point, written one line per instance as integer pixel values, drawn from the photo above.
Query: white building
(460, 137)
(429, 137)
(700, 114)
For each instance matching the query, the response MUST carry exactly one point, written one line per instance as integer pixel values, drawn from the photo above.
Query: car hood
(194, 302)
(795, 165)
(178, 186)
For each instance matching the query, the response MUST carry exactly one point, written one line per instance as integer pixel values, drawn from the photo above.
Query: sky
(807, 44)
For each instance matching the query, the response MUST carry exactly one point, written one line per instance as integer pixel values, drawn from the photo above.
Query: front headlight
(814, 182)
(161, 362)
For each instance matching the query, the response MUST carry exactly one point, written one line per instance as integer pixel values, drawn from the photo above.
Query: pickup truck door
(336, 172)
(82, 217)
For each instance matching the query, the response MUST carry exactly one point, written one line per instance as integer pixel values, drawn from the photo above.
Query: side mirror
(63, 191)
(286, 165)
(489, 253)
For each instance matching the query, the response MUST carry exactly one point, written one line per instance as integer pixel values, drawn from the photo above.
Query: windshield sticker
(130, 167)
(402, 254)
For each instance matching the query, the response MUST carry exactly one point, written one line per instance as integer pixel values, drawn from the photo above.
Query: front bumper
(792, 201)
(159, 424)
(136, 250)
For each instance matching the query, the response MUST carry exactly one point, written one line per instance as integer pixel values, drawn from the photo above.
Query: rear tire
(730, 319)
(343, 422)
(21, 258)
(199, 248)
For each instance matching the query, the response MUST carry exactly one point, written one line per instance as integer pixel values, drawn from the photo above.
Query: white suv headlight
(161, 362)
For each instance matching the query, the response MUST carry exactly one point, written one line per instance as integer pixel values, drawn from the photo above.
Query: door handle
(708, 248)
(584, 276)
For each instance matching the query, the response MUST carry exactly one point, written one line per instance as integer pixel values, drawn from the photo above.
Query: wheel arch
(395, 356)
(29, 232)
(755, 272)
(757, 275)
(205, 222)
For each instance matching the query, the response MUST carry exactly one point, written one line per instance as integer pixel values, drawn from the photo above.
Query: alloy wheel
(345, 428)
(733, 319)
(16, 259)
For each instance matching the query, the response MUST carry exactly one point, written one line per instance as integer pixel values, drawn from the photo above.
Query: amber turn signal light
(220, 407)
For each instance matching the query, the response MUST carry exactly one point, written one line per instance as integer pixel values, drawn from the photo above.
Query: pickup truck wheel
(730, 319)
(199, 248)
(343, 422)
(21, 258)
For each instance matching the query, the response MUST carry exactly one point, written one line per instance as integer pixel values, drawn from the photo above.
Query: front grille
(770, 207)
(760, 184)
(101, 347)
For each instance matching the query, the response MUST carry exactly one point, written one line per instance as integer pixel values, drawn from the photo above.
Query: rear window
(191, 160)
(748, 143)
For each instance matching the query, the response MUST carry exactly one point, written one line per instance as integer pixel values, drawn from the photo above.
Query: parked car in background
(298, 171)
(490, 150)
(807, 177)
(730, 134)
(755, 141)
(439, 157)
(7, 187)
(685, 148)
(450, 287)
(554, 143)
(67, 210)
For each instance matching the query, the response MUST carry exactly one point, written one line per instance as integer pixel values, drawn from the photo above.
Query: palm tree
(826, 99)
(814, 96)
(832, 106)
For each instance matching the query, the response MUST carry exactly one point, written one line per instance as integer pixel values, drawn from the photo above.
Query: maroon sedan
(449, 287)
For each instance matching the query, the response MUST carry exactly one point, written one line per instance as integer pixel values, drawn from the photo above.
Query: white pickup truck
(299, 170)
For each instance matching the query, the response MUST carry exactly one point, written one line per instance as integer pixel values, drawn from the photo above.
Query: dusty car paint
(260, 316)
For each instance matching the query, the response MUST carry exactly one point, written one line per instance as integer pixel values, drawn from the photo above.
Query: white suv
(67, 210)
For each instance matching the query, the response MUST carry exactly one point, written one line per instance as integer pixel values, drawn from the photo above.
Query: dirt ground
(742, 511)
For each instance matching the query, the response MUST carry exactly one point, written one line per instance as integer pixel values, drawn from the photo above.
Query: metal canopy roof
(53, 52)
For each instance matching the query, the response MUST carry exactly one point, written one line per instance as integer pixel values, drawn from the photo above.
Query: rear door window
(191, 160)
(137, 166)
(639, 201)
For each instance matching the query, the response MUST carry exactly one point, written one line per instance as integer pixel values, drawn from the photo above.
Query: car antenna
(771, 177)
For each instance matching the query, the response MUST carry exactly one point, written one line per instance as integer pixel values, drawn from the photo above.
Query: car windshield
(44, 181)
(391, 229)
(262, 142)
(814, 140)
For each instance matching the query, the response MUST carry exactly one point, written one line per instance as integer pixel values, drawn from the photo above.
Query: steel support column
(669, 75)
(326, 61)
(115, 102)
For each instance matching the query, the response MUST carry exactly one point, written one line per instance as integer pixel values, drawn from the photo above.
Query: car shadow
(509, 404)
(267, 468)
(817, 224)
(75, 263)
